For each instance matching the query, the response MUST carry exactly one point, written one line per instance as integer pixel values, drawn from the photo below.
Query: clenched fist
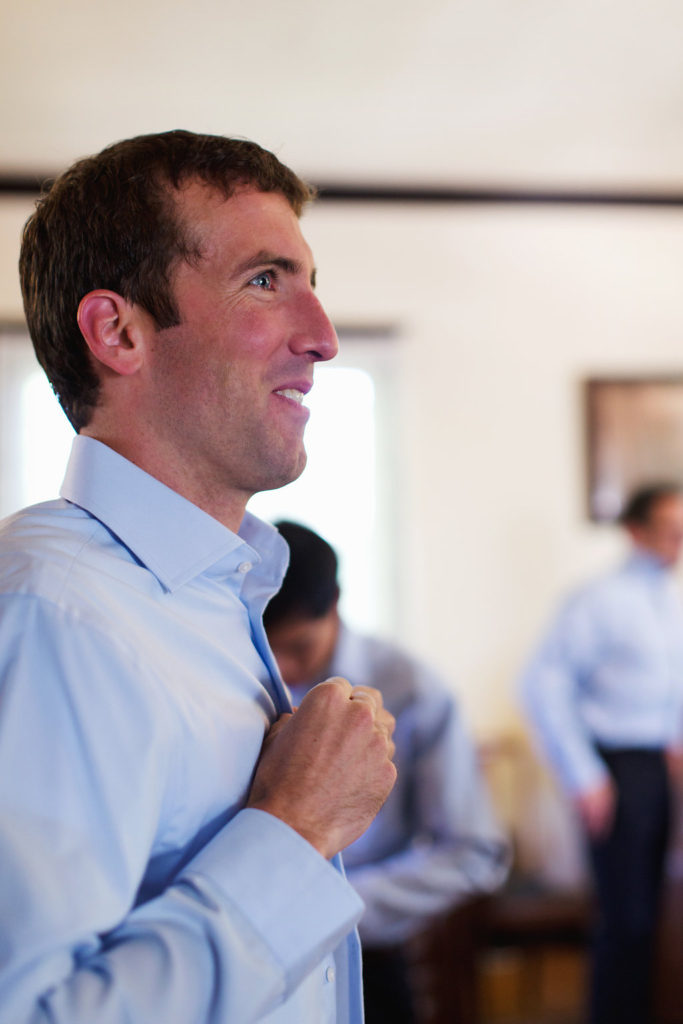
(326, 769)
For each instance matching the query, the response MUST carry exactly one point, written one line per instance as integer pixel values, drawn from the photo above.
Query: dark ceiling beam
(30, 184)
(23, 184)
(555, 196)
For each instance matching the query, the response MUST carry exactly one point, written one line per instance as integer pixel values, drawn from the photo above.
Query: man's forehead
(258, 222)
(204, 201)
(666, 506)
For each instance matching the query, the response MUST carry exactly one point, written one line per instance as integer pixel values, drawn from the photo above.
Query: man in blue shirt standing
(436, 840)
(605, 695)
(169, 830)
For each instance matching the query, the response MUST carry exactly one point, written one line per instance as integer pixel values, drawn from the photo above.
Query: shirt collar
(173, 538)
(647, 564)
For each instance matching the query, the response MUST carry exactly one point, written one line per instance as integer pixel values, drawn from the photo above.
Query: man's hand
(326, 770)
(596, 808)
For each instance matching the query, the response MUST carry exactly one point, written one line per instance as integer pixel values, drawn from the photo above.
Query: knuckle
(381, 746)
(388, 721)
(339, 683)
(363, 713)
(329, 692)
(388, 777)
(376, 695)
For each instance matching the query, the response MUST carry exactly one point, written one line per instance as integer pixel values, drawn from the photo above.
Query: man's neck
(224, 504)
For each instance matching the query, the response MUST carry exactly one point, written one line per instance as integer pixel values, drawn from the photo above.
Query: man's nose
(314, 332)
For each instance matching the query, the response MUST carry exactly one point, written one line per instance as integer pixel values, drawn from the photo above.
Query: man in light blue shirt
(604, 692)
(435, 841)
(169, 830)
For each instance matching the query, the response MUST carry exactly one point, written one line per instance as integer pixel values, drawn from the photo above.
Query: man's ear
(114, 330)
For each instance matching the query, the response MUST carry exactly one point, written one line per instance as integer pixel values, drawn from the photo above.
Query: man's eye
(264, 280)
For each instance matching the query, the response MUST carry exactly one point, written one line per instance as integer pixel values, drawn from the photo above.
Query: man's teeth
(296, 396)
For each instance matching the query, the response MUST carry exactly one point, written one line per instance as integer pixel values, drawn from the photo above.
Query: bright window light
(46, 440)
(35, 435)
(336, 493)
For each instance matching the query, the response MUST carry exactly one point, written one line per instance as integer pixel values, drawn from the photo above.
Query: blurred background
(500, 221)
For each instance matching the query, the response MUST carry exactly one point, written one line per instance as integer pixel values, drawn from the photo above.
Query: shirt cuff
(300, 905)
(587, 775)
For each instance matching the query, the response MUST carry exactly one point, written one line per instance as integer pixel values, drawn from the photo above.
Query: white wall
(500, 311)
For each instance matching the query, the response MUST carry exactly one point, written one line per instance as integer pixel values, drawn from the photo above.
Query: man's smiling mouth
(293, 393)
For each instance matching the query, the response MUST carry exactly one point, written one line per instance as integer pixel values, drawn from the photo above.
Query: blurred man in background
(604, 692)
(436, 842)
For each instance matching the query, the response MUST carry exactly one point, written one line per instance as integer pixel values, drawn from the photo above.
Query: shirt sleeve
(550, 690)
(456, 847)
(82, 785)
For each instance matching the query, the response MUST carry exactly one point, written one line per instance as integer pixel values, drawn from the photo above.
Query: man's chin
(280, 476)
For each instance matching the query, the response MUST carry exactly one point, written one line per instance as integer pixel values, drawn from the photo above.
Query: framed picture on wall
(634, 437)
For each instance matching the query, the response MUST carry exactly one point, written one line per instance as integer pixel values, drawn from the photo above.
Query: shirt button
(330, 974)
(244, 567)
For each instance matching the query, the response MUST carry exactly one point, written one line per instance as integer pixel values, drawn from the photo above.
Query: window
(35, 435)
(345, 492)
(337, 494)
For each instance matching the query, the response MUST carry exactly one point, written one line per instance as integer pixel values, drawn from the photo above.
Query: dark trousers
(628, 867)
(387, 997)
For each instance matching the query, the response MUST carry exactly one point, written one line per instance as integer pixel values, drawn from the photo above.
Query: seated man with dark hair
(436, 841)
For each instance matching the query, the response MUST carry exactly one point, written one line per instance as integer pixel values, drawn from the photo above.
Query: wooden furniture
(530, 926)
(521, 956)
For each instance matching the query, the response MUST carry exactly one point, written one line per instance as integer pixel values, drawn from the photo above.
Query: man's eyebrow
(266, 258)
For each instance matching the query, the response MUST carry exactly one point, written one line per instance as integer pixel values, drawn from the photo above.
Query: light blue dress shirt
(436, 840)
(134, 885)
(609, 671)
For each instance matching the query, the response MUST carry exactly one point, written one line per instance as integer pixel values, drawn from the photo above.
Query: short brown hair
(642, 502)
(109, 222)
